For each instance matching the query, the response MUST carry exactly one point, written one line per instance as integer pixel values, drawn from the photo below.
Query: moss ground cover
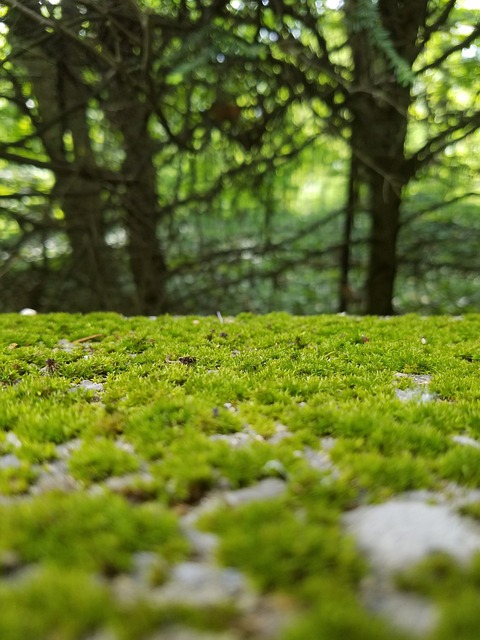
(112, 428)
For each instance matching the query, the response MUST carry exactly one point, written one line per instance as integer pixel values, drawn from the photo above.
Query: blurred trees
(132, 133)
(369, 64)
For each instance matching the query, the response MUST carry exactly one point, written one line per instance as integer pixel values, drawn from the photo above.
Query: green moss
(70, 604)
(91, 532)
(298, 547)
(382, 475)
(53, 603)
(471, 509)
(462, 464)
(98, 459)
(337, 616)
(170, 386)
(194, 478)
(142, 619)
(41, 420)
(17, 480)
(454, 587)
(437, 575)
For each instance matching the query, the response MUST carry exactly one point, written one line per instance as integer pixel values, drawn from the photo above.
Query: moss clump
(99, 459)
(95, 532)
(471, 509)
(17, 480)
(454, 587)
(71, 604)
(338, 615)
(54, 602)
(462, 464)
(282, 547)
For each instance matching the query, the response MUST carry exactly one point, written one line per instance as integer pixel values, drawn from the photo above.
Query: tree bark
(129, 105)
(382, 268)
(61, 104)
(379, 103)
(345, 293)
(143, 216)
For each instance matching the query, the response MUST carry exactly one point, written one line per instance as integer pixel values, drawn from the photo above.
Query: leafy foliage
(198, 156)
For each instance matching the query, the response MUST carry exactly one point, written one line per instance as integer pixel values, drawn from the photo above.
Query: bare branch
(438, 143)
(437, 206)
(439, 22)
(59, 27)
(457, 47)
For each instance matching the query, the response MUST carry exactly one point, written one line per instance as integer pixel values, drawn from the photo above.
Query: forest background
(189, 156)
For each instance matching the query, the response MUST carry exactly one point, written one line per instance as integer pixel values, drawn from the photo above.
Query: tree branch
(59, 27)
(439, 22)
(436, 206)
(436, 144)
(457, 47)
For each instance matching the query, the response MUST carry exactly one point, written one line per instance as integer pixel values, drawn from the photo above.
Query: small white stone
(88, 385)
(125, 446)
(264, 490)
(400, 533)
(28, 312)
(66, 345)
(466, 441)
(281, 432)
(328, 443)
(12, 439)
(177, 632)
(65, 450)
(203, 544)
(55, 481)
(406, 611)
(10, 461)
(415, 394)
(202, 585)
(320, 461)
(235, 440)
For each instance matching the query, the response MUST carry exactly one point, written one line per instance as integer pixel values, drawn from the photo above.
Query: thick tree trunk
(380, 152)
(91, 271)
(139, 201)
(129, 110)
(61, 102)
(81, 197)
(379, 104)
(382, 268)
(142, 219)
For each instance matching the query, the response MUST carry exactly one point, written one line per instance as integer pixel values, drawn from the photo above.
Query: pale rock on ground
(400, 533)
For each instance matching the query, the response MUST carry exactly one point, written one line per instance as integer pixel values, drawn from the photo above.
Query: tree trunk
(382, 269)
(128, 105)
(379, 103)
(380, 150)
(143, 216)
(81, 197)
(61, 103)
(139, 200)
(345, 293)
(91, 270)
